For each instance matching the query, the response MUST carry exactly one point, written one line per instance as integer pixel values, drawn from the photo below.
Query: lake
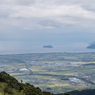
(40, 49)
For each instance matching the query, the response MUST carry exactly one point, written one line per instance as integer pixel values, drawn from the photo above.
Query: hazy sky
(26, 23)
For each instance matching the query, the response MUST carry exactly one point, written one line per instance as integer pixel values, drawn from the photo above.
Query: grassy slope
(3, 85)
(9, 85)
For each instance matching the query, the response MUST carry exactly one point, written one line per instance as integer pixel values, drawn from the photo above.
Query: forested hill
(10, 86)
(83, 92)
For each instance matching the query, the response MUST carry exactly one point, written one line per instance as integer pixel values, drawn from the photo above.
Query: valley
(53, 72)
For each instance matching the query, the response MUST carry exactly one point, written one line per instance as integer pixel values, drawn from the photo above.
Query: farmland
(53, 72)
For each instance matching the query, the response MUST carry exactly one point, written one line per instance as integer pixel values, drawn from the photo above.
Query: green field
(54, 72)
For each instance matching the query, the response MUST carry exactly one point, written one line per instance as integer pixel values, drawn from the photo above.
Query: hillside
(83, 92)
(10, 86)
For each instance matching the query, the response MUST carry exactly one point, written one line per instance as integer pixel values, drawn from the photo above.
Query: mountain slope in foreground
(10, 86)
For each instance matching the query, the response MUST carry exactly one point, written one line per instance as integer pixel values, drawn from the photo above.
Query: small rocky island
(48, 46)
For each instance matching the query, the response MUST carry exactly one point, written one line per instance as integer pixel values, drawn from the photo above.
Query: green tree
(6, 90)
(66, 94)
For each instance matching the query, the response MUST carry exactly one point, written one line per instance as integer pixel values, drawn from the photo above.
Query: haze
(26, 24)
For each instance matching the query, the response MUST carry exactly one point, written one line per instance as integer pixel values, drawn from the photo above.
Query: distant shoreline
(55, 49)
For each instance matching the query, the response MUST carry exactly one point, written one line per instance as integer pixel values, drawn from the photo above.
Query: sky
(28, 23)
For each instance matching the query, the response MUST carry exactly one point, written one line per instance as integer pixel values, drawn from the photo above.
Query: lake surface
(40, 49)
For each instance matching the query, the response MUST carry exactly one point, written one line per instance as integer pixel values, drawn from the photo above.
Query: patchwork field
(53, 72)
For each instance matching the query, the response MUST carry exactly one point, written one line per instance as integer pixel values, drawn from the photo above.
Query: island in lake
(48, 46)
(92, 45)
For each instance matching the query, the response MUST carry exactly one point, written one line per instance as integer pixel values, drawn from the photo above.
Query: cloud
(24, 23)
(31, 14)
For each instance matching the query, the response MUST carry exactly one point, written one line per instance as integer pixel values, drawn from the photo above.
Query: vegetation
(79, 57)
(83, 92)
(52, 72)
(10, 86)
